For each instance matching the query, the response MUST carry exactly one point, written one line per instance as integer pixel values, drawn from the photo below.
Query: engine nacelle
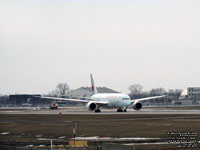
(91, 106)
(137, 105)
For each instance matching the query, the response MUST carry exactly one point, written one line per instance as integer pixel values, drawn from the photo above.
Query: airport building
(87, 92)
(194, 93)
(27, 100)
(191, 96)
(184, 95)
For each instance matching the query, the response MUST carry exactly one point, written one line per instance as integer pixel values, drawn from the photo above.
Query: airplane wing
(75, 100)
(65, 99)
(147, 98)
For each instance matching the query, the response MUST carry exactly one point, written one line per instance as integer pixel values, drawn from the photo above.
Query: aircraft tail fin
(94, 90)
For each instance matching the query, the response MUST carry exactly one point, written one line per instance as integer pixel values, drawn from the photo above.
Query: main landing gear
(121, 110)
(97, 111)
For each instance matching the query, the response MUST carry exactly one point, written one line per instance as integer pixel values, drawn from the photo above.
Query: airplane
(120, 101)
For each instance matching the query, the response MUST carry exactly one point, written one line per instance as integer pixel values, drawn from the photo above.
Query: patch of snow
(96, 138)
(41, 139)
(62, 137)
(5, 133)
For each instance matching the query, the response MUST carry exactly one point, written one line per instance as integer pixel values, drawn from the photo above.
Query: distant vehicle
(120, 101)
(54, 105)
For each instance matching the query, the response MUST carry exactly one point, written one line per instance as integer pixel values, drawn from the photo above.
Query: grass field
(28, 128)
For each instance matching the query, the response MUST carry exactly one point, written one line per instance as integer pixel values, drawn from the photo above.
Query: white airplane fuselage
(115, 100)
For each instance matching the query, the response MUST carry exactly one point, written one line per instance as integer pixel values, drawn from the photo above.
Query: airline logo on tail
(94, 90)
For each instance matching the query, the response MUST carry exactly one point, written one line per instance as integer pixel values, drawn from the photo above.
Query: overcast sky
(155, 43)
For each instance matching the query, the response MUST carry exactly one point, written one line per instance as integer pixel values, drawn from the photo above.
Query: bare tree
(157, 91)
(53, 93)
(62, 89)
(173, 94)
(135, 90)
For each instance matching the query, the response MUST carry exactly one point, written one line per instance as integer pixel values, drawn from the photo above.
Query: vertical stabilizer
(94, 90)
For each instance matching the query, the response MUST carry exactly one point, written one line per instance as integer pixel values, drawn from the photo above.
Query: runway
(82, 110)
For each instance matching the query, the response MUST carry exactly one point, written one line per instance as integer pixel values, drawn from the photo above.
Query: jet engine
(137, 105)
(91, 106)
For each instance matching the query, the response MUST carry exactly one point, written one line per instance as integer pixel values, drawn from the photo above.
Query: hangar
(87, 92)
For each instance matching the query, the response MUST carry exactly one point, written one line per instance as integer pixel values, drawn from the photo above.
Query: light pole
(51, 139)
(74, 133)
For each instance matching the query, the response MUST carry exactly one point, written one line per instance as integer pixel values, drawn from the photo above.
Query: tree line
(136, 91)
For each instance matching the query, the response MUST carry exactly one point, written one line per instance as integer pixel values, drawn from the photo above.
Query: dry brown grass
(25, 128)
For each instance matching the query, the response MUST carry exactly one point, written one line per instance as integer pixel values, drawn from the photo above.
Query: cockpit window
(125, 98)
